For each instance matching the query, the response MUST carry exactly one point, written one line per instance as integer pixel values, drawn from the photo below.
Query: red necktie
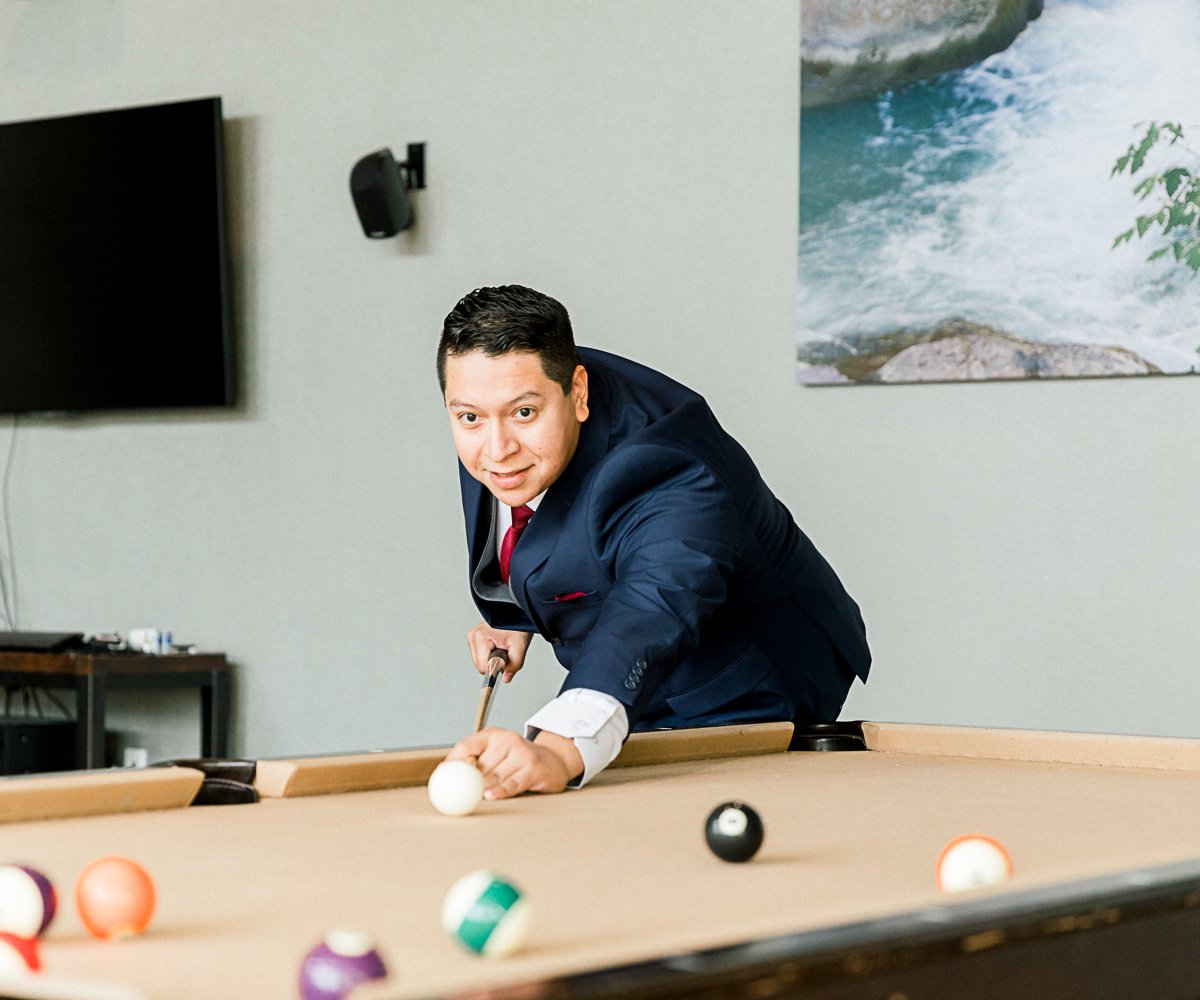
(520, 518)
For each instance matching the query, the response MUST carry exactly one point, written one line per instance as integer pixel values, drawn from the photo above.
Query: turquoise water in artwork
(987, 194)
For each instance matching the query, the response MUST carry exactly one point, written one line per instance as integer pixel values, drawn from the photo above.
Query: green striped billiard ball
(485, 914)
(734, 831)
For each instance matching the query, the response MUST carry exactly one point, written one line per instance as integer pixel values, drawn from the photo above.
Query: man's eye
(468, 418)
(525, 412)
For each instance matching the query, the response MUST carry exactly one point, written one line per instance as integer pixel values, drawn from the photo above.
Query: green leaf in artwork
(1178, 215)
(1178, 210)
(1173, 178)
(1144, 147)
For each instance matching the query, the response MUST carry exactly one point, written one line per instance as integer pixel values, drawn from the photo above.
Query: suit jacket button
(630, 683)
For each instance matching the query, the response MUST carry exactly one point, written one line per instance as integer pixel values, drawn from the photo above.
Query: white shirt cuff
(595, 722)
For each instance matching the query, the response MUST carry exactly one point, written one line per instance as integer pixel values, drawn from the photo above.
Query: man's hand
(482, 639)
(511, 764)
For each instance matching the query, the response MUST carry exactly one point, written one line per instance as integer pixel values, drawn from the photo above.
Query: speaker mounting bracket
(413, 168)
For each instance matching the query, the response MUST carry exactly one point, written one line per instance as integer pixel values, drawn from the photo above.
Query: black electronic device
(41, 642)
(114, 261)
(35, 746)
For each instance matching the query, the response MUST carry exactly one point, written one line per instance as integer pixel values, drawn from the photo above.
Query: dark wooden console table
(91, 675)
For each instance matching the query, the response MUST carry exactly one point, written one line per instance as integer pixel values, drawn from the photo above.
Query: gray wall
(1024, 554)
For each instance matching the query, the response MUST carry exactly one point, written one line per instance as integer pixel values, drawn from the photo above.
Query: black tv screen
(114, 270)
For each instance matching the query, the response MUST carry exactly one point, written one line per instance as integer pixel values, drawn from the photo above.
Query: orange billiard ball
(115, 897)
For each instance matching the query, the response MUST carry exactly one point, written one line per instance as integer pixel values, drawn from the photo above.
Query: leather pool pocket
(729, 684)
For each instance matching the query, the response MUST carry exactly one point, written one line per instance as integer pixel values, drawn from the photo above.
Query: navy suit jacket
(662, 569)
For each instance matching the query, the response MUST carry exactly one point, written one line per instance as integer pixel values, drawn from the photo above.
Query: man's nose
(501, 441)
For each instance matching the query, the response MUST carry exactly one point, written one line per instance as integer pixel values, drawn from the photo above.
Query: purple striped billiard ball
(27, 901)
(338, 964)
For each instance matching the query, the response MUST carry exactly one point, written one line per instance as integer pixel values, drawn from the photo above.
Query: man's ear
(579, 393)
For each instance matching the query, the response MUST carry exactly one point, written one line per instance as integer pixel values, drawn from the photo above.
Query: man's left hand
(511, 764)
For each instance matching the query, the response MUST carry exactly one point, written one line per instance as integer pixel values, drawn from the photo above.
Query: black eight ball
(734, 831)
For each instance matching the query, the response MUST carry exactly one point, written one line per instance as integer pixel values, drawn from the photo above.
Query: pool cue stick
(497, 661)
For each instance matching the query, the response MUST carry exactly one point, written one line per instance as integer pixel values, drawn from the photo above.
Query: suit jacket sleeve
(664, 526)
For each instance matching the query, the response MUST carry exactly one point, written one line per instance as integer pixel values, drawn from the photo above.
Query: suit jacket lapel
(477, 514)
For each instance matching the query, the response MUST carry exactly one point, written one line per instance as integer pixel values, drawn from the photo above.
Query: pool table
(626, 899)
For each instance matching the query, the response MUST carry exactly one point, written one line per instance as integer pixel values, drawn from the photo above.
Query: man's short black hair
(511, 318)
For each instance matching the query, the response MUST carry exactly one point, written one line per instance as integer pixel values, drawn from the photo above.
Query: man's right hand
(482, 639)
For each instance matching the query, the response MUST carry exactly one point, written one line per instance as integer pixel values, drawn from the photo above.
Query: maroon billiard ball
(18, 956)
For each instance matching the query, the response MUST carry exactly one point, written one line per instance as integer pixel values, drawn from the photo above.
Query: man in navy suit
(609, 512)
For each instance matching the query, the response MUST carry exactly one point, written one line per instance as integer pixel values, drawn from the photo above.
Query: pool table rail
(89, 793)
(1088, 749)
(334, 774)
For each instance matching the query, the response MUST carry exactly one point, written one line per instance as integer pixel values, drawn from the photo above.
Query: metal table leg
(89, 713)
(214, 715)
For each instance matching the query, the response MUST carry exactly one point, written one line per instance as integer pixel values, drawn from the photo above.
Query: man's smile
(508, 478)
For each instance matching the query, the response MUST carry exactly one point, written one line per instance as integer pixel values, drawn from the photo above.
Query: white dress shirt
(594, 721)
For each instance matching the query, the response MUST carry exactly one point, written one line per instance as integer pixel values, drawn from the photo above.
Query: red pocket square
(573, 596)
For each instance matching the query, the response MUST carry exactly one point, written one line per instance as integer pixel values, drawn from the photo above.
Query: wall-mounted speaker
(379, 186)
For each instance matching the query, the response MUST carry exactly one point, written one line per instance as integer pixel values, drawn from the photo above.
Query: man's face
(514, 429)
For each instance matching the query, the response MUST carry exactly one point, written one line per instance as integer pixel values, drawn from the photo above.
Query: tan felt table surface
(616, 873)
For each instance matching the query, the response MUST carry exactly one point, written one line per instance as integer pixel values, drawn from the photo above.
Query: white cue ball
(455, 787)
(972, 861)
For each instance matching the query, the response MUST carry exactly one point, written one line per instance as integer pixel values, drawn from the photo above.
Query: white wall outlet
(136, 757)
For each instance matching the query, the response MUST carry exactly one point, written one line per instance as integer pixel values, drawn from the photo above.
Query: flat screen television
(114, 261)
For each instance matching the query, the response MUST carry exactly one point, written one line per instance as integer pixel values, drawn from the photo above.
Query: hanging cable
(8, 580)
(56, 703)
